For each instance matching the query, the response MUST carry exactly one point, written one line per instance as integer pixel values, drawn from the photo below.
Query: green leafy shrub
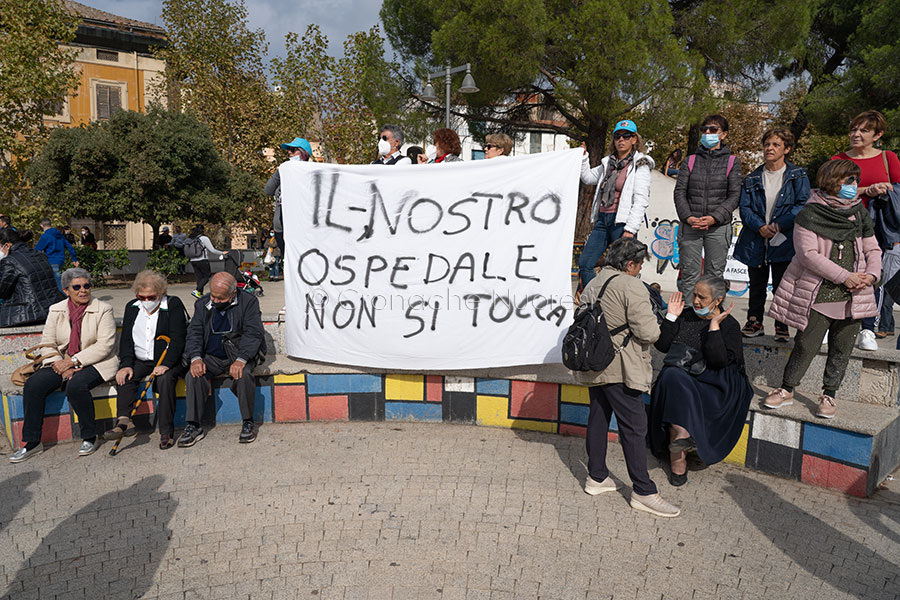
(167, 261)
(99, 263)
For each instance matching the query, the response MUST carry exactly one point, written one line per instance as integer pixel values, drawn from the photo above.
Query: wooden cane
(168, 340)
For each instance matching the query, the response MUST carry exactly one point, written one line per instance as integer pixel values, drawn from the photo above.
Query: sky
(336, 18)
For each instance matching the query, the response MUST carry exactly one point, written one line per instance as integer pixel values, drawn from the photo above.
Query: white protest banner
(447, 266)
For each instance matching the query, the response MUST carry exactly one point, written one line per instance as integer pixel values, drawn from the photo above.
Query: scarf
(76, 314)
(834, 223)
(607, 191)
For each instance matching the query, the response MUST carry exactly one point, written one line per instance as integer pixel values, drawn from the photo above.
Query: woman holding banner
(622, 195)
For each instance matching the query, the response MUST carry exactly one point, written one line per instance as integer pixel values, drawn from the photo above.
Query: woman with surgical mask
(150, 315)
(272, 256)
(701, 397)
(828, 287)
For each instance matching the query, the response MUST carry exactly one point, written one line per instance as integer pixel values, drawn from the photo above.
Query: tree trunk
(596, 145)
(155, 227)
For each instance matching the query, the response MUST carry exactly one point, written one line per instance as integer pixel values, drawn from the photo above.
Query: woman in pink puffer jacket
(828, 287)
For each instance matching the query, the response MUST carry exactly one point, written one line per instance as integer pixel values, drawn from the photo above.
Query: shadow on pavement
(14, 496)
(111, 548)
(812, 543)
(877, 512)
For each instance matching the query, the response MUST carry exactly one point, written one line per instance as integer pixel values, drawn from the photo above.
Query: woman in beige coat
(83, 331)
(619, 389)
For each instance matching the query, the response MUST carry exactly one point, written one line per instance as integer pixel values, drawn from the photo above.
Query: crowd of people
(820, 248)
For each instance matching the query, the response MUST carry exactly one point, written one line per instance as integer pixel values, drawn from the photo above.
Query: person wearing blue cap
(622, 196)
(297, 149)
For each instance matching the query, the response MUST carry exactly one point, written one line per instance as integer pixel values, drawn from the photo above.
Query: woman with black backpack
(197, 249)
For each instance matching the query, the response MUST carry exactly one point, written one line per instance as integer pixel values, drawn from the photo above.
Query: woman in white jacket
(623, 194)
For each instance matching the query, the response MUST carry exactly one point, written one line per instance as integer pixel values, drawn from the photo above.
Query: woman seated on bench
(81, 336)
(701, 397)
(149, 316)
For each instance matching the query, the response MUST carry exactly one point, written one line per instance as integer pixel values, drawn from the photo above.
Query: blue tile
(576, 414)
(56, 404)
(412, 411)
(855, 448)
(328, 384)
(180, 418)
(646, 398)
(613, 424)
(365, 383)
(492, 387)
(16, 409)
(228, 410)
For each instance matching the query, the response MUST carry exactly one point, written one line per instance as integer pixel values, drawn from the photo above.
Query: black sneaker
(781, 333)
(248, 433)
(677, 480)
(191, 436)
(753, 328)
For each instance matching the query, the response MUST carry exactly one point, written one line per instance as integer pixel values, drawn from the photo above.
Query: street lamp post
(468, 85)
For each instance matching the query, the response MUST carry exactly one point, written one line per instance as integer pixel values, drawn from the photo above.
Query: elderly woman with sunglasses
(622, 196)
(150, 315)
(80, 334)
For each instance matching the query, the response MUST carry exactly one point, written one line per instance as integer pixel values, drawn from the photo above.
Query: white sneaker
(594, 487)
(21, 455)
(866, 340)
(655, 505)
(88, 448)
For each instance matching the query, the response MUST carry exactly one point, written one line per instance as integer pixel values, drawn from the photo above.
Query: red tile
(612, 437)
(533, 400)
(434, 388)
(576, 430)
(847, 479)
(815, 470)
(16, 434)
(328, 408)
(57, 428)
(146, 408)
(290, 403)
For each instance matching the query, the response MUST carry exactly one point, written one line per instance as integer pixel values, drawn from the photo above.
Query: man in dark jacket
(225, 337)
(27, 284)
(54, 245)
(707, 191)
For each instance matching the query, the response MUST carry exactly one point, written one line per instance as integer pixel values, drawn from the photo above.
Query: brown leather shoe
(826, 408)
(778, 397)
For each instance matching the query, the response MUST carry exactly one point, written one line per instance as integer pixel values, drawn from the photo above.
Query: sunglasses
(384, 137)
(623, 136)
(78, 286)
(147, 298)
(851, 180)
(710, 129)
(489, 146)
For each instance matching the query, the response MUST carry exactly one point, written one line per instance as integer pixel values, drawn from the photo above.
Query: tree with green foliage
(155, 167)
(36, 74)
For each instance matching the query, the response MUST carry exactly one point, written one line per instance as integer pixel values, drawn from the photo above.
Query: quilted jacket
(27, 287)
(705, 189)
(811, 265)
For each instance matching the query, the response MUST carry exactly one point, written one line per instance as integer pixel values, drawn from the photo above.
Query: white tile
(776, 430)
(459, 384)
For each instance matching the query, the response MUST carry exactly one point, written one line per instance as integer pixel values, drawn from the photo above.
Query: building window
(107, 55)
(114, 236)
(109, 98)
(534, 143)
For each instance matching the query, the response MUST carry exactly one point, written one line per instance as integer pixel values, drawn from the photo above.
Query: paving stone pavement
(420, 511)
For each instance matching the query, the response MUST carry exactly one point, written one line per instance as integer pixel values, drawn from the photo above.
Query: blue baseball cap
(625, 125)
(298, 142)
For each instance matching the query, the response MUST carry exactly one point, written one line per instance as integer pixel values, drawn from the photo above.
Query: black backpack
(588, 344)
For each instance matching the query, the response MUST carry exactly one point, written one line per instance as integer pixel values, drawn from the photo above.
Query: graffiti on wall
(665, 243)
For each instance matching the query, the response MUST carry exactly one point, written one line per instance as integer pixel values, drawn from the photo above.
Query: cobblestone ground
(391, 511)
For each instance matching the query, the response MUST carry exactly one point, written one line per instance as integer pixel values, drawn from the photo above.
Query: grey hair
(395, 131)
(624, 251)
(150, 279)
(718, 287)
(70, 275)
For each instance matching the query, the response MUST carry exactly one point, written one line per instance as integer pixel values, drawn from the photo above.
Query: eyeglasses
(710, 129)
(851, 180)
(78, 286)
(147, 298)
(623, 136)
(385, 138)
(215, 330)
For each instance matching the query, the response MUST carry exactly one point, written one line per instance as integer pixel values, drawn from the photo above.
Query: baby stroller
(246, 280)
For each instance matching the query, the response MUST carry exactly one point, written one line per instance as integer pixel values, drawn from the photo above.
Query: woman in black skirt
(701, 397)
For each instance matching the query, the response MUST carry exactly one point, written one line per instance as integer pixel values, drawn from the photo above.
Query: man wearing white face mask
(151, 314)
(389, 142)
(707, 191)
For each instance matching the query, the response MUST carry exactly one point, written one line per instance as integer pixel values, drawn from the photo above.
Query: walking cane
(168, 340)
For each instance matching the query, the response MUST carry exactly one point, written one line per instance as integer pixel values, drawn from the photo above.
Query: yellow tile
(738, 454)
(576, 394)
(180, 389)
(299, 378)
(493, 411)
(404, 387)
(7, 424)
(104, 408)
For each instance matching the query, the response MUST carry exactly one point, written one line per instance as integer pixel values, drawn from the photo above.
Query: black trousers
(202, 272)
(163, 386)
(279, 239)
(199, 388)
(759, 281)
(628, 406)
(78, 392)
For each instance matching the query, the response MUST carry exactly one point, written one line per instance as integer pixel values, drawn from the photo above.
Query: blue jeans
(273, 270)
(605, 232)
(56, 275)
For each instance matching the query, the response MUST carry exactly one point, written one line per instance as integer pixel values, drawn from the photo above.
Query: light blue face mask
(709, 140)
(848, 191)
(705, 311)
